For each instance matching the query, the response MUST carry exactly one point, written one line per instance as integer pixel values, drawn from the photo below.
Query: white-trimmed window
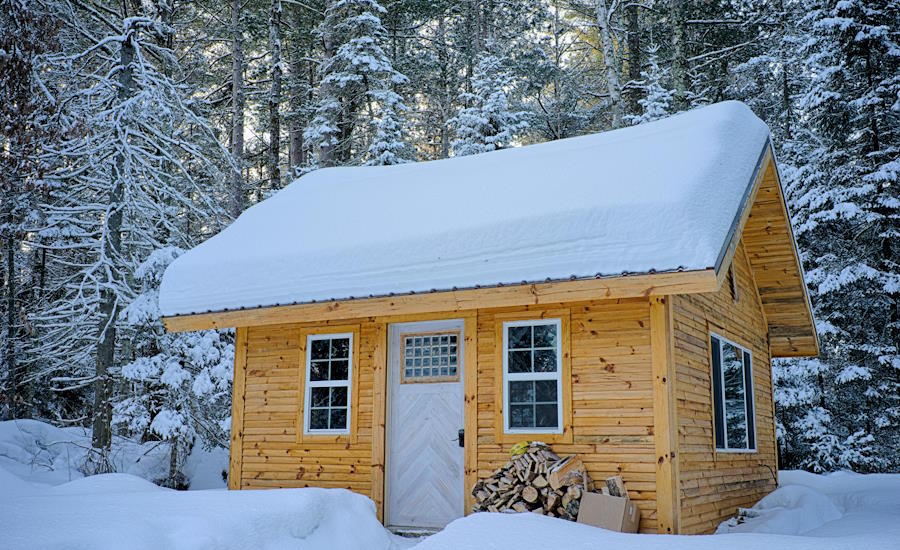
(532, 376)
(329, 369)
(735, 416)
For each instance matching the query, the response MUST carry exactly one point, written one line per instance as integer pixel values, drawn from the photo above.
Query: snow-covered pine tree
(487, 122)
(558, 78)
(658, 98)
(180, 383)
(355, 72)
(27, 31)
(133, 179)
(844, 190)
(389, 139)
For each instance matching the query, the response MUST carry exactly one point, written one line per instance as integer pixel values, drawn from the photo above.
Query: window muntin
(532, 376)
(329, 370)
(430, 357)
(735, 428)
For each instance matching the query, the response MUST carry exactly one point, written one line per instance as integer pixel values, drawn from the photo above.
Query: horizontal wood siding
(273, 455)
(714, 485)
(611, 391)
(611, 388)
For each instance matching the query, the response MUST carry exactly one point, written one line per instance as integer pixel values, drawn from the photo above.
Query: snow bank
(808, 512)
(40, 453)
(658, 196)
(41, 509)
(117, 511)
(833, 505)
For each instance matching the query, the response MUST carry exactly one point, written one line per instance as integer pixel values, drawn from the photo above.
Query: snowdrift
(40, 508)
(118, 511)
(41, 453)
(808, 512)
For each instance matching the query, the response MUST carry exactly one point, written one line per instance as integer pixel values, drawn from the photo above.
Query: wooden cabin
(617, 295)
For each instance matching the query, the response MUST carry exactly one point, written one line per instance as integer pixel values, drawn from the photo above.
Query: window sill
(737, 451)
(547, 437)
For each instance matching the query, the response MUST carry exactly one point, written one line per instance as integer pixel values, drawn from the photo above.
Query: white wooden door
(426, 405)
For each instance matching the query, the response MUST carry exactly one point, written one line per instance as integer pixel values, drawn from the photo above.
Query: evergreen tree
(355, 73)
(389, 145)
(180, 382)
(657, 99)
(845, 196)
(128, 183)
(487, 122)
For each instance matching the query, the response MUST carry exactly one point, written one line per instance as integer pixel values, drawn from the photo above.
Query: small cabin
(618, 295)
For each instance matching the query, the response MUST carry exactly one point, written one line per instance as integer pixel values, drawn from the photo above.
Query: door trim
(466, 343)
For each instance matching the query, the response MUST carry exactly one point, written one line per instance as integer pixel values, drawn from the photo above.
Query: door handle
(462, 438)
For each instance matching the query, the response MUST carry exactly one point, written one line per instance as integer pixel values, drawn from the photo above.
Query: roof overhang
(762, 223)
(763, 226)
(551, 292)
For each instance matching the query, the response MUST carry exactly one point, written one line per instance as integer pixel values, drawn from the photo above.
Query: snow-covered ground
(45, 503)
(44, 454)
(842, 511)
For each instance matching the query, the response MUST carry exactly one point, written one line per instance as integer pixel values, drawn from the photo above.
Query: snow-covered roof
(661, 196)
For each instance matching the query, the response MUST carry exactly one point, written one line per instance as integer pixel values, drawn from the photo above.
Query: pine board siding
(273, 451)
(612, 394)
(714, 484)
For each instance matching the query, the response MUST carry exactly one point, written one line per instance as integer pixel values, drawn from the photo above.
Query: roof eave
(454, 300)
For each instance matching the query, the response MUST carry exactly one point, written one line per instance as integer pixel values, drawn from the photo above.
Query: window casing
(733, 406)
(329, 373)
(430, 357)
(532, 376)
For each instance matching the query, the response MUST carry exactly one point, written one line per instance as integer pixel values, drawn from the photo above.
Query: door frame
(469, 342)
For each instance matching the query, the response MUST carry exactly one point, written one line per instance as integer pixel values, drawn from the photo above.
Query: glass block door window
(328, 373)
(430, 357)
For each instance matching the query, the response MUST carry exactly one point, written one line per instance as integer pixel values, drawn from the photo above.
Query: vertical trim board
(237, 408)
(470, 335)
(378, 417)
(664, 419)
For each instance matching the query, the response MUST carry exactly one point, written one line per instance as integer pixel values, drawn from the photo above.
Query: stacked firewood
(536, 480)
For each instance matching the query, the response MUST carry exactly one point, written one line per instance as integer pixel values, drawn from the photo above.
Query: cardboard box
(609, 512)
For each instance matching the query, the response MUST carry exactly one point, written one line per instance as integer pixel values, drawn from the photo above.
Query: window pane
(318, 397)
(545, 391)
(521, 392)
(318, 370)
(545, 336)
(748, 393)
(318, 419)
(521, 416)
(319, 349)
(338, 397)
(735, 407)
(519, 337)
(519, 361)
(545, 416)
(338, 419)
(545, 360)
(340, 348)
(338, 370)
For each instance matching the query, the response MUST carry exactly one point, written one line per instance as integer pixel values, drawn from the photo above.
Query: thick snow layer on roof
(660, 196)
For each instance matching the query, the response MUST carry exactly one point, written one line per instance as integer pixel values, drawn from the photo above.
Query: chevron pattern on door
(426, 464)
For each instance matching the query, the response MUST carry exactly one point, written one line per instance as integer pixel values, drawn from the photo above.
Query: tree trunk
(238, 193)
(275, 95)
(12, 380)
(446, 99)
(327, 149)
(679, 63)
(634, 58)
(106, 348)
(613, 84)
